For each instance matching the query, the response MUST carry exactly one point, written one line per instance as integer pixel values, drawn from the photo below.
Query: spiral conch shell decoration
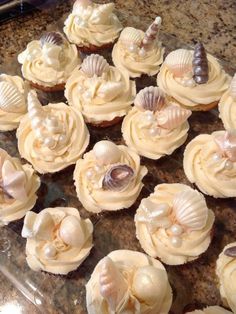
(54, 38)
(94, 65)
(151, 34)
(227, 144)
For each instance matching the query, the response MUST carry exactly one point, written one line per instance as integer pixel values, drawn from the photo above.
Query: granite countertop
(212, 22)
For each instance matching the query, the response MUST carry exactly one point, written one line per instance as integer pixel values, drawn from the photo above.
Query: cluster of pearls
(217, 157)
(187, 80)
(176, 232)
(151, 123)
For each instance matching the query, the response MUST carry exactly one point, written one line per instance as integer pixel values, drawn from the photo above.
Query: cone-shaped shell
(227, 144)
(71, 231)
(81, 3)
(11, 100)
(190, 210)
(118, 177)
(172, 117)
(179, 62)
(150, 98)
(113, 286)
(232, 88)
(54, 38)
(131, 36)
(94, 65)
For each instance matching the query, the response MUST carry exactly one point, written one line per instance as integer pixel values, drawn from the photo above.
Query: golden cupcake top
(138, 52)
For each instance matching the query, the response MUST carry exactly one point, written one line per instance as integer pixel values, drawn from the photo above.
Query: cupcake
(227, 106)
(13, 94)
(92, 26)
(18, 187)
(210, 163)
(137, 52)
(193, 78)
(47, 63)
(128, 282)
(109, 177)
(174, 224)
(155, 127)
(226, 272)
(58, 239)
(51, 137)
(211, 310)
(101, 92)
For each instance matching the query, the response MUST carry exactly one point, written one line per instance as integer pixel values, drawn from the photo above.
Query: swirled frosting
(95, 24)
(138, 284)
(18, 187)
(174, 224)
(58, 239)
(100, 98)
(211, 310)
(195, 94)
(208, 167)
(226, 272)
(89, 176)
(48, 64)
(13, 92)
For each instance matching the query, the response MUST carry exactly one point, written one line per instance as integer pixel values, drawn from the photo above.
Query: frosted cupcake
(137, 52)
(211, 310)
(109, 177)
(58, 239)
(101, 92)
(18, 187)
(155, 127)
(92, 26)
(174, 224)
(128, 282)
(47, 63)
(193, 78)
(210, 163)
(13, 98)
(227, 106)
(226, 272)
(51, 137)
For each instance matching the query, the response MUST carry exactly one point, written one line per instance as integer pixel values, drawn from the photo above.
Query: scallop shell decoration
(190, 210)
(232, 88)
(94, 65)
(172, 117)
(179, 62)
(130, 36)
(118, 177)
(54, 38)
(150, 98)
(11, 100)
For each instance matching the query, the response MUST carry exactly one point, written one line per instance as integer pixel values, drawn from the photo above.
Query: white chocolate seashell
(149, 284)
(172, 116)
(54, 38)
(94, 65)
(110, 90)
(131, 36)
(11, 100)
(71, 231)
(190, 210)
(102, 13)
(106, 152)
(81, 3)
(34, 106)
(113, 286)
(179, 62)
(150, 98)
(232, 88)
(43, 226)
(27, 230)
(227, 144)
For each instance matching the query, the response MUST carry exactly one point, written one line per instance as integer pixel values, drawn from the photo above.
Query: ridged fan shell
(11, 99)
(94, 65)
(130, 36)
(150, 98)
(118, 177)
(190, 210)
(233, 87)
(179, 62)
(54, 38)
(172, 117)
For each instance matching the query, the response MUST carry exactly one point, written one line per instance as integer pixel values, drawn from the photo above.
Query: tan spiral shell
(179, 62)
(233, 87)
(131, 36)
(11, 99)
(172, 116)
(150, 98)
(94, 65)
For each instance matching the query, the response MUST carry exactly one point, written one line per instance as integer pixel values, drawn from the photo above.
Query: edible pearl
(145, 41)
(36, 121)
(89, 174)
(150, 117)
(49, 142)
(176, 241)
(49, 251)
(52, 121)
(228, 165)
(97, 168)
(87, 94)
(154, 131)
(176, 230)
(142, 52)
(132, 48)
(62, 138)
(106, 152)
(190, 83)
(80, 88)
(38, 133)
(216, 157)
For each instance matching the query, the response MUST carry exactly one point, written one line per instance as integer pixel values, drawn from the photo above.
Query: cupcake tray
(193, 284)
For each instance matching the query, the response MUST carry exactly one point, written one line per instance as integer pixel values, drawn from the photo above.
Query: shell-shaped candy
(81, 3)
(131, 36)
(71, 231)
(172, 116)
(232, 88)
(106, 152)
(54, 38)
(118, 177)
(11, 100)
(43, 226)
(179, 62)
(94, 65)
(190, 210)
(150, 98)
(227, 144)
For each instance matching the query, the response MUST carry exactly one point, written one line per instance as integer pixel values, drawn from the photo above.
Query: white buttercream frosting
(128, 282)
(211, 310)
(58, 239)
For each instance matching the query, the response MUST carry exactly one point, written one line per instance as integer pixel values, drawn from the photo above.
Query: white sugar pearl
(87, 94)
(38, 133)
(49, 251)
(154, 131)
(80, 88)
(216, 157)
(36, 121)
(190, 83)
(150, 117)
(142, 52)
(228, 165)
(49, 142)
(176, 230)
(132, 48)
(62, 138)
(176, 241)
(89, 174)
(97, 168)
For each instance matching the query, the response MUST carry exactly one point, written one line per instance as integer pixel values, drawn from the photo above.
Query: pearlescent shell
(54, 38)
(227, 144)
(130, 36)
(172, 117)
(43, 226)
(150, 98)
(11, 100)
(71, 231)
(118, 177)
(106, 152)
(230, 251)
(179, 62)
(233, 87)
(82, 3)
(190, 210)
(94, 65)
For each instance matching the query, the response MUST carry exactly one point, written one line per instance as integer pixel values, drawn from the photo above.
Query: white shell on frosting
(110, 90)
(71, 231)
(233, 87)
(94, 65)
(102, 12)
(106, 152)
(130, 36)
(179, 62)
(11, 100)
(190, 210)
(172, 116)
(150, 98)
(82, 3)
(113, 286)
(43, 226)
